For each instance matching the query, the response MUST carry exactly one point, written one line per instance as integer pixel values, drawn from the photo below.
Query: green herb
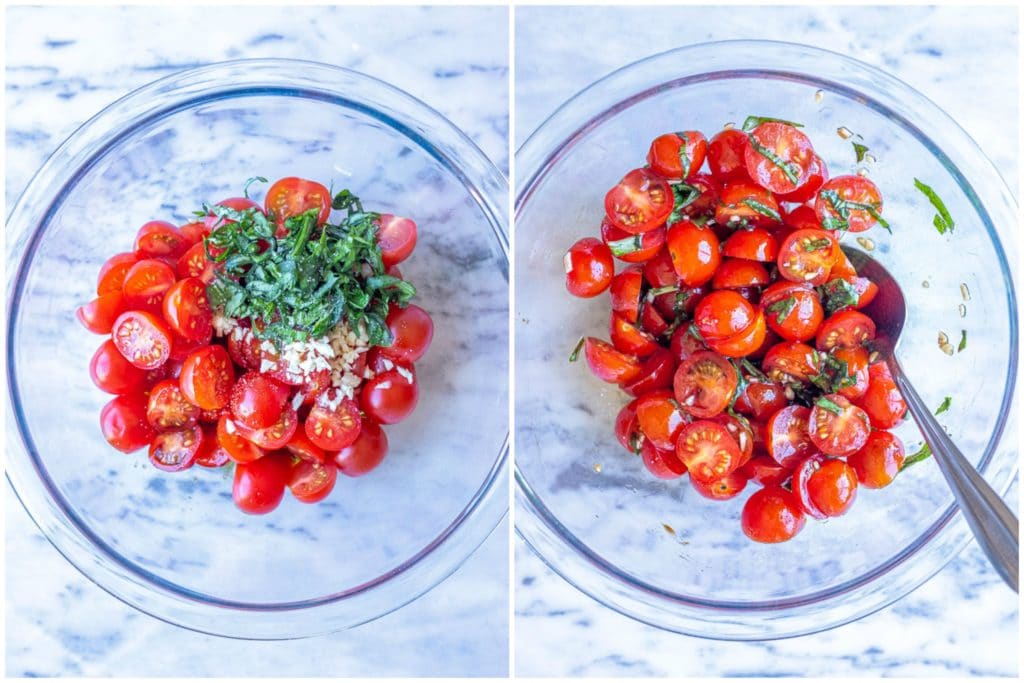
(305, 283)
(945, 405)
(250, 181)
(817, 245)
(574, 356)
(860, 150)
(942, 221)
(683, 196)
(873, 210)
(834, 375)
(684, 158)
(627, 245)
(695, 333)
(700, 221)
(752, 122)
(658, 291)
(753, 370)
(923, 453)
(829, 405)
(963, 341)
(763, 209)
(783, 165)
(783, 307)
(842, 208)
(837, 294)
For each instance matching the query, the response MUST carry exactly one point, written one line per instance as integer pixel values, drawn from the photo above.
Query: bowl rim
(407, 580)
(586, 569)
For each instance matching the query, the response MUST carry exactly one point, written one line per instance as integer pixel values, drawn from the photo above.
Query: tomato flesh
(640, 202)
(708, 451)
(704, 384)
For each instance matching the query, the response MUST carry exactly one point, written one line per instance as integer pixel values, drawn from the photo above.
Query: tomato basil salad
(261, 336)
(735, 324)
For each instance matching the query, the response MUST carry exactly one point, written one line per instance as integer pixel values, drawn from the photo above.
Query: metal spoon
(993, 524)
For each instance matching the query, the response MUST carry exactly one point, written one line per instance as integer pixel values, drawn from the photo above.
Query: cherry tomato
(833, 487)
(670, 151)
(817, 174)
(729, 486)
(187, 310)
(659, 271)
(156, 239)
(168, 409)
(207, 377)
(746, 203)
(882, 401)
(244, 349)
(736, 273)
(659, 418)
(301, 446)
(694, 251)
(837, 427)
(722, 314)
(124, 425)
(753, 244)
(879, 461)
(843, 267)
(311, 482)
(807, 256)
(709, 189)
(111, 373)
(98, 316)
(704, 384)
(625, 293)
(790, 361)
(846, 329)
(765, 471)
(793, 310)
(389, 397)
(259, 485)
(396, 237)
(632, 248)
(112, 272)
(743, 343)
(742, 433)
(608, 364)
(145, 284)
(194, 232)
(238, 448)
(627, 427)
(333, 422)
(684, 344)
(661, 462)
(802, 474)
(655, 373)
(210, 454)
(589, 267)
(849, 201)
(707, 450)
(293, 196)
(727, 155)
(176, 450)
(779, 157)
(628, 338)
(276, 435)
(640, 202)
(142, 339)
(772, 515)
(365, 453)
(194, 264)
(257, 400)
(651, 320)
(788, 438)
(856, 360)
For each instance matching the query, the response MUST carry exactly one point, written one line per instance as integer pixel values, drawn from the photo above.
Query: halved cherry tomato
(659, 271)
(793, 310)
(365, 453)
(640, 202)
(802, 474)
(659, 418)
(729, 486)
(661, 462)
(817, 174)
(111, 373)
(627, 427)
(790, 361)
(743, 343)
(207, 377)
(694, 252)
(746, 203)
(293, 196)
(772, 515)
(684, 344)
(625, 293)
(99, 315)
(187, 310)
(709, 190)
(168, 408)
(145, 284)
(753, 244)
(833, 487)
(655, 373)
(194, 232)
(311, 482)
(808, 256)
(244, 348)
(765, 471)
(856, 360)
(788, 439)
(396, 237)
(651, 320)
(837, 427)
(707, 450)
(845, 329)
(803, 217)
(849, 202)
(157, 239)
(671, 151)
(779, 157)
(704, 384)
(333, 422)
(632, 248)
(210, 454)
(259, 485)
(589, 267)
(124, 425)
(176, 450)
(727, 155)
(301, 446)
(741, 431)
(608, 364)
(722, 314)
(843, 267)
(883, 401)
(276, 435)
(142, 339)
(628, 338)
(879, 461)
(112, 272)
(736, 273)
(238, 448)
(761, 400)
(194, 263)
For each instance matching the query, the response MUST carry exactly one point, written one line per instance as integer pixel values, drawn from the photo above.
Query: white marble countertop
(963, 622)
(64, 65)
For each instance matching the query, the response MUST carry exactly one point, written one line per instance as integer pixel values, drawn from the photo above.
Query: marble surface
(63, 65)
(964, 621)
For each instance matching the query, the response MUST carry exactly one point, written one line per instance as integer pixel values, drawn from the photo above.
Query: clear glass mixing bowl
(174, 546)
(603, 531)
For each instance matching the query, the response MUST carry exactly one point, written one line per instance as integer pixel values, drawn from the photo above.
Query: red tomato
(743, 343)
(761, 400)
(389, 397)
(837, 427)
(879, 461)
(765, 471)
(259, 485)
(194, 232)
(694, 252)
(793, 310)
(123, 423)
(704, 384)
(640, 202)
(788, 439)
(745, 203)
(292, 196)
(210, 454)
(194, 263)
(882, 401)
(655, 373)
(849, 202)
(276, 435)
(145, 284)
(257, 400)
(779, 157)
(671, 151)
(742, 433)
(625, 293)
(833, 487)
(662, 463)
(207, 377)
(856, 360)
(98, 316)
(244, 349)
(727, 155)
(736, 273)
(651, 320)
(772, 515)
(753, 244)
(175, 451)
(802, 474)
(632, 248)
(789, 361)
(684, 344)
(846, 329)
(168, 408)
(142, 339)
(412, 330)
(628, 338)
(659, 271)
(365, 453)
(301, 446)
(157, 239)
(589, 267)
(187, 310)
(707, 450)
(396, 237)
(843, 267)
(111, 373)
(725, 488)
(608, 364)
(722, 314)
(808, 256)
(709, 189)
(334, 422)
(817, 174)
(659, 419)
(311, 482)
(238, 448)
(627, 427)
(112, 272)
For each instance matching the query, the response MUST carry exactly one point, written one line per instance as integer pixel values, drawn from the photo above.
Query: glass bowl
(657, 551)
(173, 545)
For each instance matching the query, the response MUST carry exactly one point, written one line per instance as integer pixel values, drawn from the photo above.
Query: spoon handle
(994, 525)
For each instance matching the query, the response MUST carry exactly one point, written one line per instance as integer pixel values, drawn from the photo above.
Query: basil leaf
(943, 222)
(923, 453)
(752, 122)
(946, 402)
(829, 405)
(574, 356)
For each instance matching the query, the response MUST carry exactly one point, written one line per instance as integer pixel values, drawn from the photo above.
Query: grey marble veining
(64, 65)
(961, 622)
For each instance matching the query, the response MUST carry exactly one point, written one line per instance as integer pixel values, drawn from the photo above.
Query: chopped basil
(696, 333)
(923, 453)
(683, 195)
(860, 150)
(753, 370)
(250, 181)
(834, 375)
(817, 245)
(684, 158)
(963, 341)
(574, 356)
(752, 122)
(762, 209)
(842, 208)
(829, 405)
(837, 294)
(942, 221)
(651, 293)
(783, 307)
(945, 405)
(627, 245)
(783, 165)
